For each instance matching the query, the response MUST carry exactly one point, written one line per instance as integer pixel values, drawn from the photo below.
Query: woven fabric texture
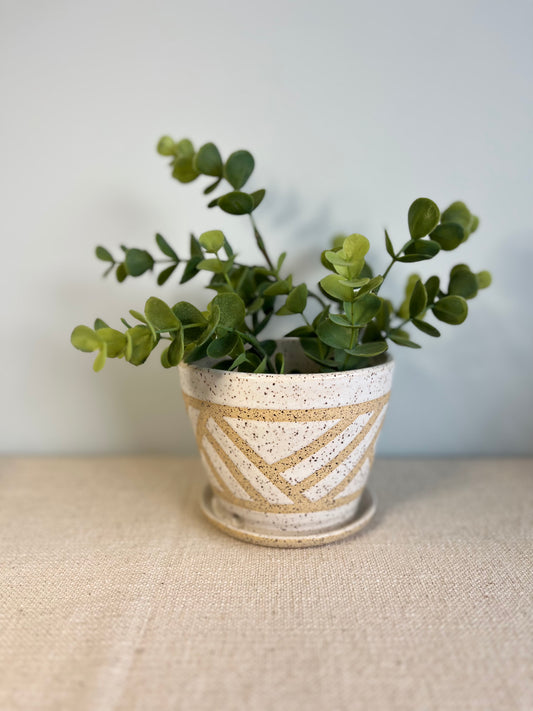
(116, 595)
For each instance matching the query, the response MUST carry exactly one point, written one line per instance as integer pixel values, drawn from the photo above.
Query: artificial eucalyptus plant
(354, 322)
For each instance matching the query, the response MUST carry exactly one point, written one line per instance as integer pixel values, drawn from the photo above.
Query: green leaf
(196, 353)
(195, 247)
(221, 347)
(115, 341)
(176, 349)
(208, 160)
(236, 203)
(279, 362)
(340, 320)
(334, 335)
(212, 187)
(451, 309)
(212, 241)
(138, 316)
(166, 248)
(121, 272)
(281, 259)
(459, 268)
(138, 261)
(257, 197)
(423, 217)
(100, 324)
(191, 317)
(425, 248)
(160, 315)
(263, 366)
(388, 245)
(188, 314)
(166, 274)
(463, 283)
(400, 339)
(239, 360)
(85, 339)
(370, 286)
(278, 288)
(232, 310)
(418, 300)
(449, 235)
(104, 255)
(333, 287)
(140, 344)
(366, 271)
(425, 327)
(100, 359)
(355, 283)
(297, 299)
(164, 358)
(217, 266)
(166, 146)
(432, 288)
(191, 269)
(184, 169)
(256, 304)
(238, 168)
(383, 315)
(350, 260)
(367, 350)
(403, 311)
(325, 261)
(484, 279)
(363, 309)
(355, 247)
(461, 215)
(300, 332)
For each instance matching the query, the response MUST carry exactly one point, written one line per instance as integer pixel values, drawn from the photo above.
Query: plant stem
(318, 298)
(393, 262)
(352, 337)
(261, 244)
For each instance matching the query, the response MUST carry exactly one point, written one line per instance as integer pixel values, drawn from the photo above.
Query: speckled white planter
(287, 456)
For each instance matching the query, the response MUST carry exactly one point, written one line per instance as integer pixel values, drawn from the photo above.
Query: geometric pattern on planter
(321, 474)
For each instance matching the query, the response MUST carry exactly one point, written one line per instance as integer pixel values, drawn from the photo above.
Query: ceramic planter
(287, 456)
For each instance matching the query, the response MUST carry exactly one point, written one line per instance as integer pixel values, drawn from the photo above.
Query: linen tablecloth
(116, 594)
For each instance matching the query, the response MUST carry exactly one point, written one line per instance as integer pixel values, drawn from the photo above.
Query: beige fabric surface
(115, 594)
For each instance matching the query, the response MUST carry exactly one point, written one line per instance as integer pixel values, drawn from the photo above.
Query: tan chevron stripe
(268, 470)
(310, 507)
(314, 414)
(346, 415)
(327, 468)
(232, 467)
(369, 454)
(313, 447)
(215, 473)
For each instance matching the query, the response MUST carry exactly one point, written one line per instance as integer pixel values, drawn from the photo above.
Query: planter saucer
(364, 514)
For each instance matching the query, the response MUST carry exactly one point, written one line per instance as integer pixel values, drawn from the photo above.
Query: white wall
(352, 110)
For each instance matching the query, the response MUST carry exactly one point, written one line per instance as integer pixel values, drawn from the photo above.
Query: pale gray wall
(352, 110)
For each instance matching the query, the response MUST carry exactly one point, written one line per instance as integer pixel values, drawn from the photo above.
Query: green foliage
(208, 160)
(238, 168)
(423, 217)
(346, 323)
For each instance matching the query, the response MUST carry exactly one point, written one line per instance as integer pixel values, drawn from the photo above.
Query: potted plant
(286, 427)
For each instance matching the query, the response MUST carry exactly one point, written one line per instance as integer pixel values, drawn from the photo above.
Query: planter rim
(387, 361)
